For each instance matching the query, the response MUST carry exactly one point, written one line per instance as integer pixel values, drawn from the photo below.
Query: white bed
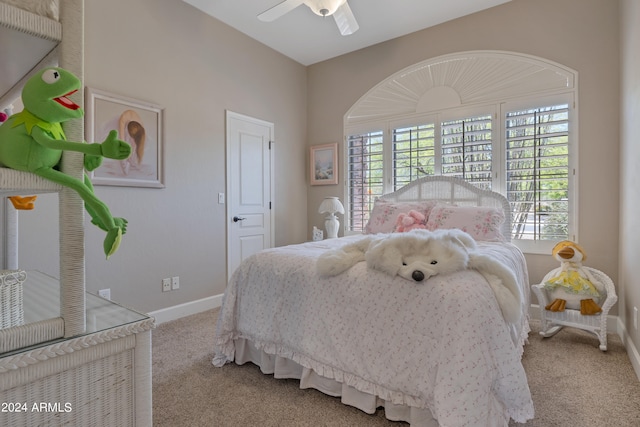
(433, 353)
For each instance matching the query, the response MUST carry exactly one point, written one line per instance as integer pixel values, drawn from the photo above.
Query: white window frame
(570, 98)
(346, 172)
(390, 125)
(498, 111)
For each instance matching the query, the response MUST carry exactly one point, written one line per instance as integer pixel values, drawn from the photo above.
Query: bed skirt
(283, 368)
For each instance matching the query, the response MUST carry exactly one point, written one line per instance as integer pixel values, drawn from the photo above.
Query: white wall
(629, 281)
(171, 54)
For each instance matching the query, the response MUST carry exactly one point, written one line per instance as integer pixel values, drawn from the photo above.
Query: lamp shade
(331, 205)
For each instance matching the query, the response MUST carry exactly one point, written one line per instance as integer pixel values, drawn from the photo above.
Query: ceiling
(308, 38)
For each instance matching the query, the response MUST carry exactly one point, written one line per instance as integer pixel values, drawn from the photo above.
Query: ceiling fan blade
(278, 10)
(345, 20)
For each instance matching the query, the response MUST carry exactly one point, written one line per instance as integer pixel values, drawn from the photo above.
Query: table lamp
(331, 205)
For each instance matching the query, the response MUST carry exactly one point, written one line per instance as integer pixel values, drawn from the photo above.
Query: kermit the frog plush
(33, 141)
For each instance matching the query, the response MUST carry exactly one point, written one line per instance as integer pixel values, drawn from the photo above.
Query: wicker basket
(11, 305)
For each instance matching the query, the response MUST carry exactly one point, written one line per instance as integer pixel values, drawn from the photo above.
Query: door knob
(237, 218)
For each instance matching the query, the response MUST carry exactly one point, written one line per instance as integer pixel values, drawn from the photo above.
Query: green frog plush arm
(111, 148)
(33, 141)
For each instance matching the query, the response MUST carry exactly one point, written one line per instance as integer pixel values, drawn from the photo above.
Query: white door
(249, 188)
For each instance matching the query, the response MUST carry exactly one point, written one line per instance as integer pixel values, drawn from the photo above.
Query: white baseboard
(186, 309)
(632, 350)
(534, 312)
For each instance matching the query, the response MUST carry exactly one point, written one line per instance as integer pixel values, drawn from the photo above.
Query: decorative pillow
(482, 223)
(385, 214)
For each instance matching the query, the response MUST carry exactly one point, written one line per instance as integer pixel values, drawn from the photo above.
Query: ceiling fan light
(324, 7)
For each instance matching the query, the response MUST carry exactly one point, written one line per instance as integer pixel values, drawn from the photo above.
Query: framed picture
(137, 122)
(324, 164)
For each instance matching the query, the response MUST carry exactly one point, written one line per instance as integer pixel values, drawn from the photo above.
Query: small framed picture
(323, 164)
(138, 123)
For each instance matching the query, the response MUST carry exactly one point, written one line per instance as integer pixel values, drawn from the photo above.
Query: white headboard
(455, 191)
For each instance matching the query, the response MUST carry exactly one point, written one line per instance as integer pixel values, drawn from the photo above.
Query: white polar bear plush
(415, 255)
(419, 254)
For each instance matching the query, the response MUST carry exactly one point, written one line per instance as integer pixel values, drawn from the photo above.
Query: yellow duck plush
(571, 285)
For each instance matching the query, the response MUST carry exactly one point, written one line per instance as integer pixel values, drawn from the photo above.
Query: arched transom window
(501, 120)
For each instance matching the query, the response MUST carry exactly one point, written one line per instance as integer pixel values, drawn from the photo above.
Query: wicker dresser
(99, 378)
(11, 305)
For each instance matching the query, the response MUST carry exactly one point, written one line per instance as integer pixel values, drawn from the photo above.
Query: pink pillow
(385, 214)
(482, 223)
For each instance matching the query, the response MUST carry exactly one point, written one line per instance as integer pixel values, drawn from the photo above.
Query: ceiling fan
(340, 10)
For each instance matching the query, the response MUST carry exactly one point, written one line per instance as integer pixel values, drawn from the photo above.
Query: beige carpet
(572, 383)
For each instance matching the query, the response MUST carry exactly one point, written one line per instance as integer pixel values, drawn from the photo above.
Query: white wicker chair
(553, 322)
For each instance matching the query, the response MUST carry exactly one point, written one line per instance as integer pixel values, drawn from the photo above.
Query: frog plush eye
(51, 76)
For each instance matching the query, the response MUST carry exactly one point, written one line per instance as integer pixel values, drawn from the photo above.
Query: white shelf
(13, 182)
(27, 41)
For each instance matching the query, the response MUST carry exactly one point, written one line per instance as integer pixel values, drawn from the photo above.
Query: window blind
(534, 170)
(366, 180)
(537, 172)
(466, 150)
(413, 153)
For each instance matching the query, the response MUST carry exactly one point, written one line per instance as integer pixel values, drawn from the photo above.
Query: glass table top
(41, 301)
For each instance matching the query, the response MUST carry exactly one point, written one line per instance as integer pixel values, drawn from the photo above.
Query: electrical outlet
(635, 318)
(105, 293)
(175, 283)
(166, 284)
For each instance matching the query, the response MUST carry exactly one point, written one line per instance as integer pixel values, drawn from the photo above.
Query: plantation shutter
(413, 153)
(537, 163)
(466, 150)
(365, 180)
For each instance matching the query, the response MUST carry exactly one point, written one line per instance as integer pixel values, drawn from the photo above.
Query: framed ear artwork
(323, 164)
(138, 123)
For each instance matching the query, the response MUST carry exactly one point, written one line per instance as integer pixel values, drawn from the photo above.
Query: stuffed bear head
(420, 254)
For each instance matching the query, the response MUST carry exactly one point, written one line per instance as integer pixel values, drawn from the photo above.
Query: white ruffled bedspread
(441, 344)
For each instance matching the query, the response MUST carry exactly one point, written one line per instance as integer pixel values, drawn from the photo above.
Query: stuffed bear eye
(51, 76)
(434, 262)
(404, 263)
